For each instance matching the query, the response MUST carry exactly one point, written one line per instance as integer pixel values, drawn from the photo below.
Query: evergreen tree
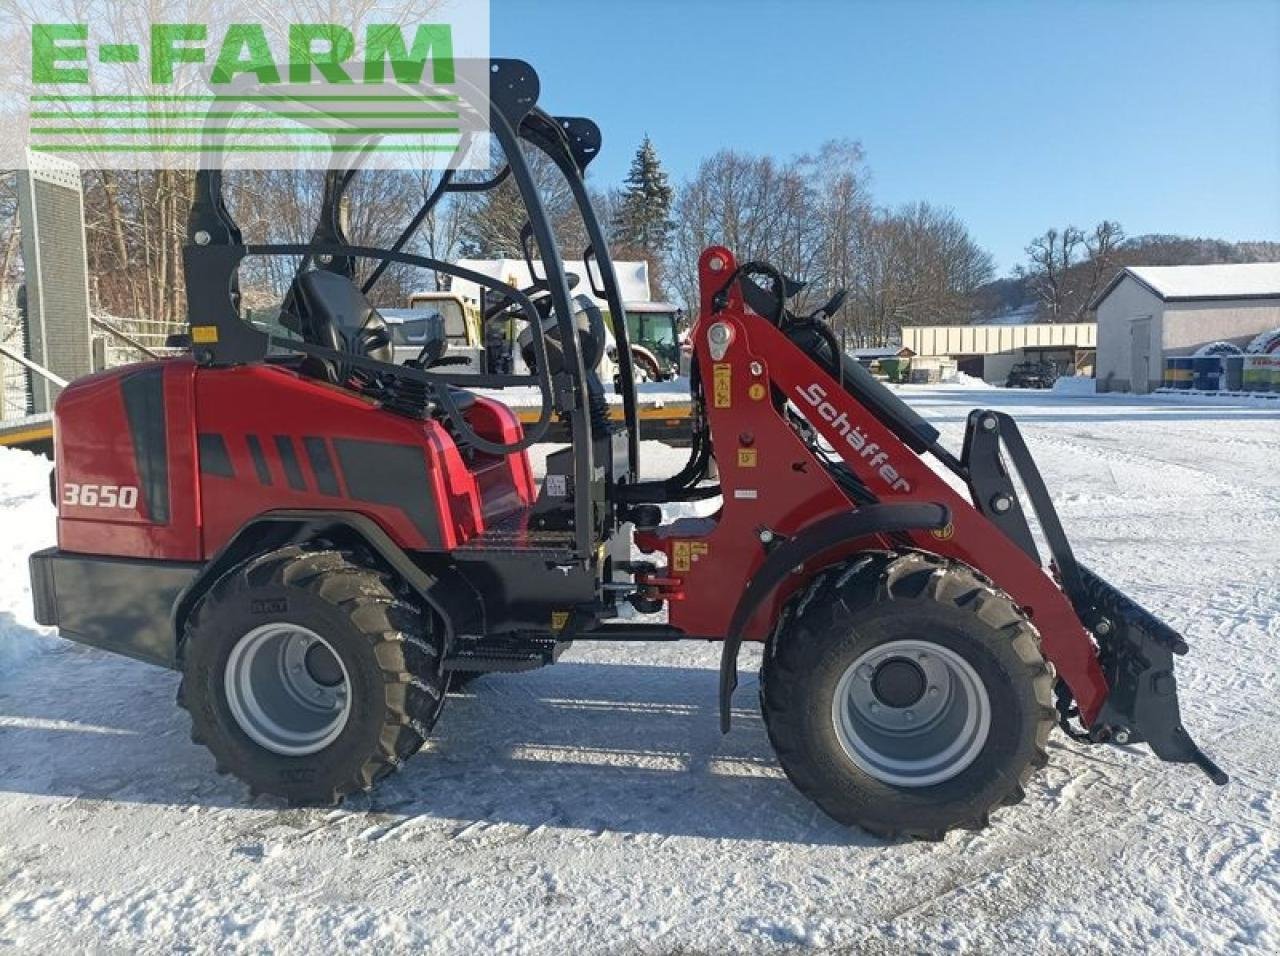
(642, 221)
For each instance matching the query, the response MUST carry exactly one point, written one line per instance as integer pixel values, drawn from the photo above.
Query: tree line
(813, 215)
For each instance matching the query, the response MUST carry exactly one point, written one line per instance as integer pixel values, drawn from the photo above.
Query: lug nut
(202, 238)
(988, 423)
(757, 369)
(1121, 736)
(1001, 504)
(766, 536)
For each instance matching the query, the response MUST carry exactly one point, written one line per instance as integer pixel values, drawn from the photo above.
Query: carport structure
(989, 352)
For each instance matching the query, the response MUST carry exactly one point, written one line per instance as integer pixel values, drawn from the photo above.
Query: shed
(1149, 313)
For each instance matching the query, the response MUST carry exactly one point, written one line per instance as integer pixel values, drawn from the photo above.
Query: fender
(442, 587)
(811, 541)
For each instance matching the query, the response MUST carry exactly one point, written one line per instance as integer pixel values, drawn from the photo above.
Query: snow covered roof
(1254, 280)
(633, 277)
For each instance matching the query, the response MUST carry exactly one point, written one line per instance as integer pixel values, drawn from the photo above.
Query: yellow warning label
(756, 391)
(559, 619)
(680, 556)
(204, 334)
(684, 553)
(945, 533)
(722, 385)
(747, 457)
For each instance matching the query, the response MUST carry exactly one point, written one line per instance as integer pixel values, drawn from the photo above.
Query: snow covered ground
(595, 807)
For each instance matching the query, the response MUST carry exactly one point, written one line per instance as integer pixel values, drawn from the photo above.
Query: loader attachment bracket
(1136, 652)
(809, 543)
(1136, 648)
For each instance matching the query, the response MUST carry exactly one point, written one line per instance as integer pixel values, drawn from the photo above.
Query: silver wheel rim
(903, 739)
(287, 689)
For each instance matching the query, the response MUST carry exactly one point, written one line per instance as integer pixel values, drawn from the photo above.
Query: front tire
(308, 677)
(907, 696)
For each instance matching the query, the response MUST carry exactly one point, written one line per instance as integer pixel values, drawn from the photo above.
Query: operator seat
(336, 314)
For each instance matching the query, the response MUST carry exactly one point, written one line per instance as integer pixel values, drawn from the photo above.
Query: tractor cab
(654, 329)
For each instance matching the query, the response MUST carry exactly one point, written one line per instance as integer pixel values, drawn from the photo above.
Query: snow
(649, 394)
(633, 277)
(1264, 343)
(1215, 349)
(965, 380)
(26, 525)
(1238, 399)
(594, 807)
(1024, 314)
(1221, 281)
(1075, 385)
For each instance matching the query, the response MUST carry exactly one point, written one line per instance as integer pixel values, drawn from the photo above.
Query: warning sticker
(684, 553)
(756, 392)
(722, 385)
(747, 457)
(559, 619)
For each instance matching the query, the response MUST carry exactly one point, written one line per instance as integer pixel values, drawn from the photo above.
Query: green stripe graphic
(245, 131)
(197, 114)
(236, 148)
(225, 98)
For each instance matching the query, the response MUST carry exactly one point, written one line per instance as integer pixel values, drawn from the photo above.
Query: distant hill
(1010, 301)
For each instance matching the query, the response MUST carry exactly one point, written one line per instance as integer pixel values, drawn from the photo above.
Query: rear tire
(644, 368)
(459, 680)
(907, 696)
(320, 621)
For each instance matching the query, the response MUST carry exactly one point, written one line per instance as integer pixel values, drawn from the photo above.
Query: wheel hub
(911, 713)
(898, 682)
(287, 689)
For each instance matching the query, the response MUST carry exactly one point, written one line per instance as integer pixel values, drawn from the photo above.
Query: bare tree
(813, 218)
(1067, 269)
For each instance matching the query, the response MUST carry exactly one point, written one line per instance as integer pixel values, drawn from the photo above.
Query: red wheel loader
(320, 540)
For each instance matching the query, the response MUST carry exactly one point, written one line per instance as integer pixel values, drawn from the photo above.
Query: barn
(1149, 313)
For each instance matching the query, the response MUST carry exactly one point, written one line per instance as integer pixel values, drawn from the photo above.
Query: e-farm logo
(60, 53)
(114, 91)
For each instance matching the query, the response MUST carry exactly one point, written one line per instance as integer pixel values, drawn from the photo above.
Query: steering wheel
(538, 293)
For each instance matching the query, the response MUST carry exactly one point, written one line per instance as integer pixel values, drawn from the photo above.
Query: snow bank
(1243, 399)
(28, 526)
(1264, 343)
(1218, 349)
(1076, 385)
(964, 380)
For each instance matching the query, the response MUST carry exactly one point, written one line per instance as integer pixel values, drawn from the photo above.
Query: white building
(990, 352)
(1149, 313)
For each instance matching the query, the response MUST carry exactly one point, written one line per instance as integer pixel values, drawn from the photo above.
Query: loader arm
(777, 488)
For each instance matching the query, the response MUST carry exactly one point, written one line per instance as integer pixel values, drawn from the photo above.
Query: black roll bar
(220, 336)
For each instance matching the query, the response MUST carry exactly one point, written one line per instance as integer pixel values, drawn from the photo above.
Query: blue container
(1234, 371)
(1178, 372)
(1206, 373)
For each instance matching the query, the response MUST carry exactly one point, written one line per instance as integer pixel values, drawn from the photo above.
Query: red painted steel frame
(772, 480)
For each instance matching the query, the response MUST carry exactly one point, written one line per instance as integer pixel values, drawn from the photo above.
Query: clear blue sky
(1018, 115)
